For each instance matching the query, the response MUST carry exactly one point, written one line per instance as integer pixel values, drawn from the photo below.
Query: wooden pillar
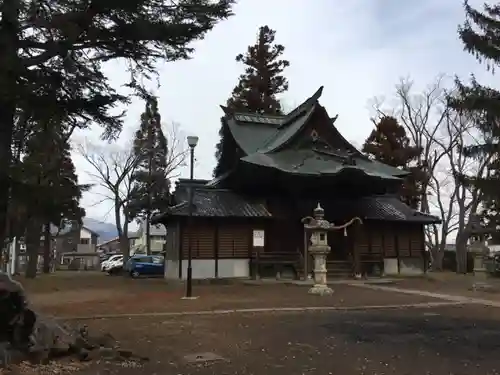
(356, 261)
(257, 263)
(306, 256)
(422, 244)
(396, 246)
(382, 253)
(409, 242)
(257, 248)
(181, 246)
(216, 249)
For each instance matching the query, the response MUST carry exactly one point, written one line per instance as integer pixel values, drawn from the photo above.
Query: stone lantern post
(478, 248)
(319, 249)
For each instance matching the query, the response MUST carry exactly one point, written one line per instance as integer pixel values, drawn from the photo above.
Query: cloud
(357, 49)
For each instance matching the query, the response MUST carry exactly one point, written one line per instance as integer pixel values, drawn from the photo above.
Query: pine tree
(52, 55)
(151, 181)
(481, 37)
(256, 92)
(389, 144)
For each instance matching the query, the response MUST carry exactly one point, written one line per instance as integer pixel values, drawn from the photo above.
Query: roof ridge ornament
(301, 108)
(226, 110)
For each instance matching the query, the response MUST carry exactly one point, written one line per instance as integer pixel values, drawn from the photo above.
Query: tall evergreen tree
(151, 184)
(52, 55)
(255, 92)
(47, 189)
(481, 37)
(389, 144)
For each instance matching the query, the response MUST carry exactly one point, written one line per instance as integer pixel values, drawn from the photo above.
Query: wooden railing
(276, 257)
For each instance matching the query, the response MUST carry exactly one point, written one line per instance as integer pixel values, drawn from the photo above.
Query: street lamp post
(192, 142)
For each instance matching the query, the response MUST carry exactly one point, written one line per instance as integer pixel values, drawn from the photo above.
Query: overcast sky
(356, 49)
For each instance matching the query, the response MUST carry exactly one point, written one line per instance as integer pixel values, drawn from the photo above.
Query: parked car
(105, 265)
(116, 266)
(106, 256)
(145, 265)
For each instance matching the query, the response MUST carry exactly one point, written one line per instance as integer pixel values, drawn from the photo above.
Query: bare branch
(441, 134)
(177, 151)
(112, 169)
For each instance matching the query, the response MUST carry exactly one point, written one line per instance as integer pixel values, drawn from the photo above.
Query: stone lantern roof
(476, 227)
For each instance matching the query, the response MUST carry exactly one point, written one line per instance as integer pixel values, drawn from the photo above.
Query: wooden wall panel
(202, 246)
(361, 239)
(416, 243)
(389, 241)
(403, 241)
(376, 239)
(234, 240)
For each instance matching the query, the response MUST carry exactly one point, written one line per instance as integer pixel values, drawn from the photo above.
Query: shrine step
(339, 269)
(336, 270)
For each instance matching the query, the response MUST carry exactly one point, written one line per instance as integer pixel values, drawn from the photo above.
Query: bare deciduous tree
(112, 169)
(456, 200)
(423, 116)
(441, 133)
(177, 150)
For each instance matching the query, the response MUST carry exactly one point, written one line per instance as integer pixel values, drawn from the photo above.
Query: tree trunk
(437, 258)
(461, 252)
(9, 31)
(32, 247)
(6, 128)
(122, 231)
(125, 248)
(47, 251)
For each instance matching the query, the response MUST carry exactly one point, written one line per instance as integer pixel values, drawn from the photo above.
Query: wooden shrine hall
(248, 221)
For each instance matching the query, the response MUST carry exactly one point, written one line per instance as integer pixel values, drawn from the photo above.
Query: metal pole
(13, 253)
(189, 284)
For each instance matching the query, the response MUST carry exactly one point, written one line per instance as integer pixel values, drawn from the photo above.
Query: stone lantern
(478, 248)
(319, 249)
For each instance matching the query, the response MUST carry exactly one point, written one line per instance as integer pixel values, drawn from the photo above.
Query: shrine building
(247, 222)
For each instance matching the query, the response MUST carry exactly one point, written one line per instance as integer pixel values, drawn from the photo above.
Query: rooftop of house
(67, 228)
(116, 239)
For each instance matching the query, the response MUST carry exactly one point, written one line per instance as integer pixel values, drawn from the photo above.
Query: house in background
(73, 243)
(158, 235)
(113, 245)
(76, 248)
(76, 239)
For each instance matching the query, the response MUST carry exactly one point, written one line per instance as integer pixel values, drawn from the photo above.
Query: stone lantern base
(321, 290)
(320, 287)
(480, 271)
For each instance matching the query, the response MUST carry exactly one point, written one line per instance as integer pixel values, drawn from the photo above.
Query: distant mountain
(106, 231)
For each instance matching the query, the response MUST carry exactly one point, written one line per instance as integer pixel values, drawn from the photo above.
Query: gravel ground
(442, 341)
(460, 285)
(144, 300)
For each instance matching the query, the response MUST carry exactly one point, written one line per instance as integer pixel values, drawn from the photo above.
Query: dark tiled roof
(381, 207)
(264, 139)
(313, 163)
(391, 208)
(264, 133)
(215, 203)
(225, 203)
